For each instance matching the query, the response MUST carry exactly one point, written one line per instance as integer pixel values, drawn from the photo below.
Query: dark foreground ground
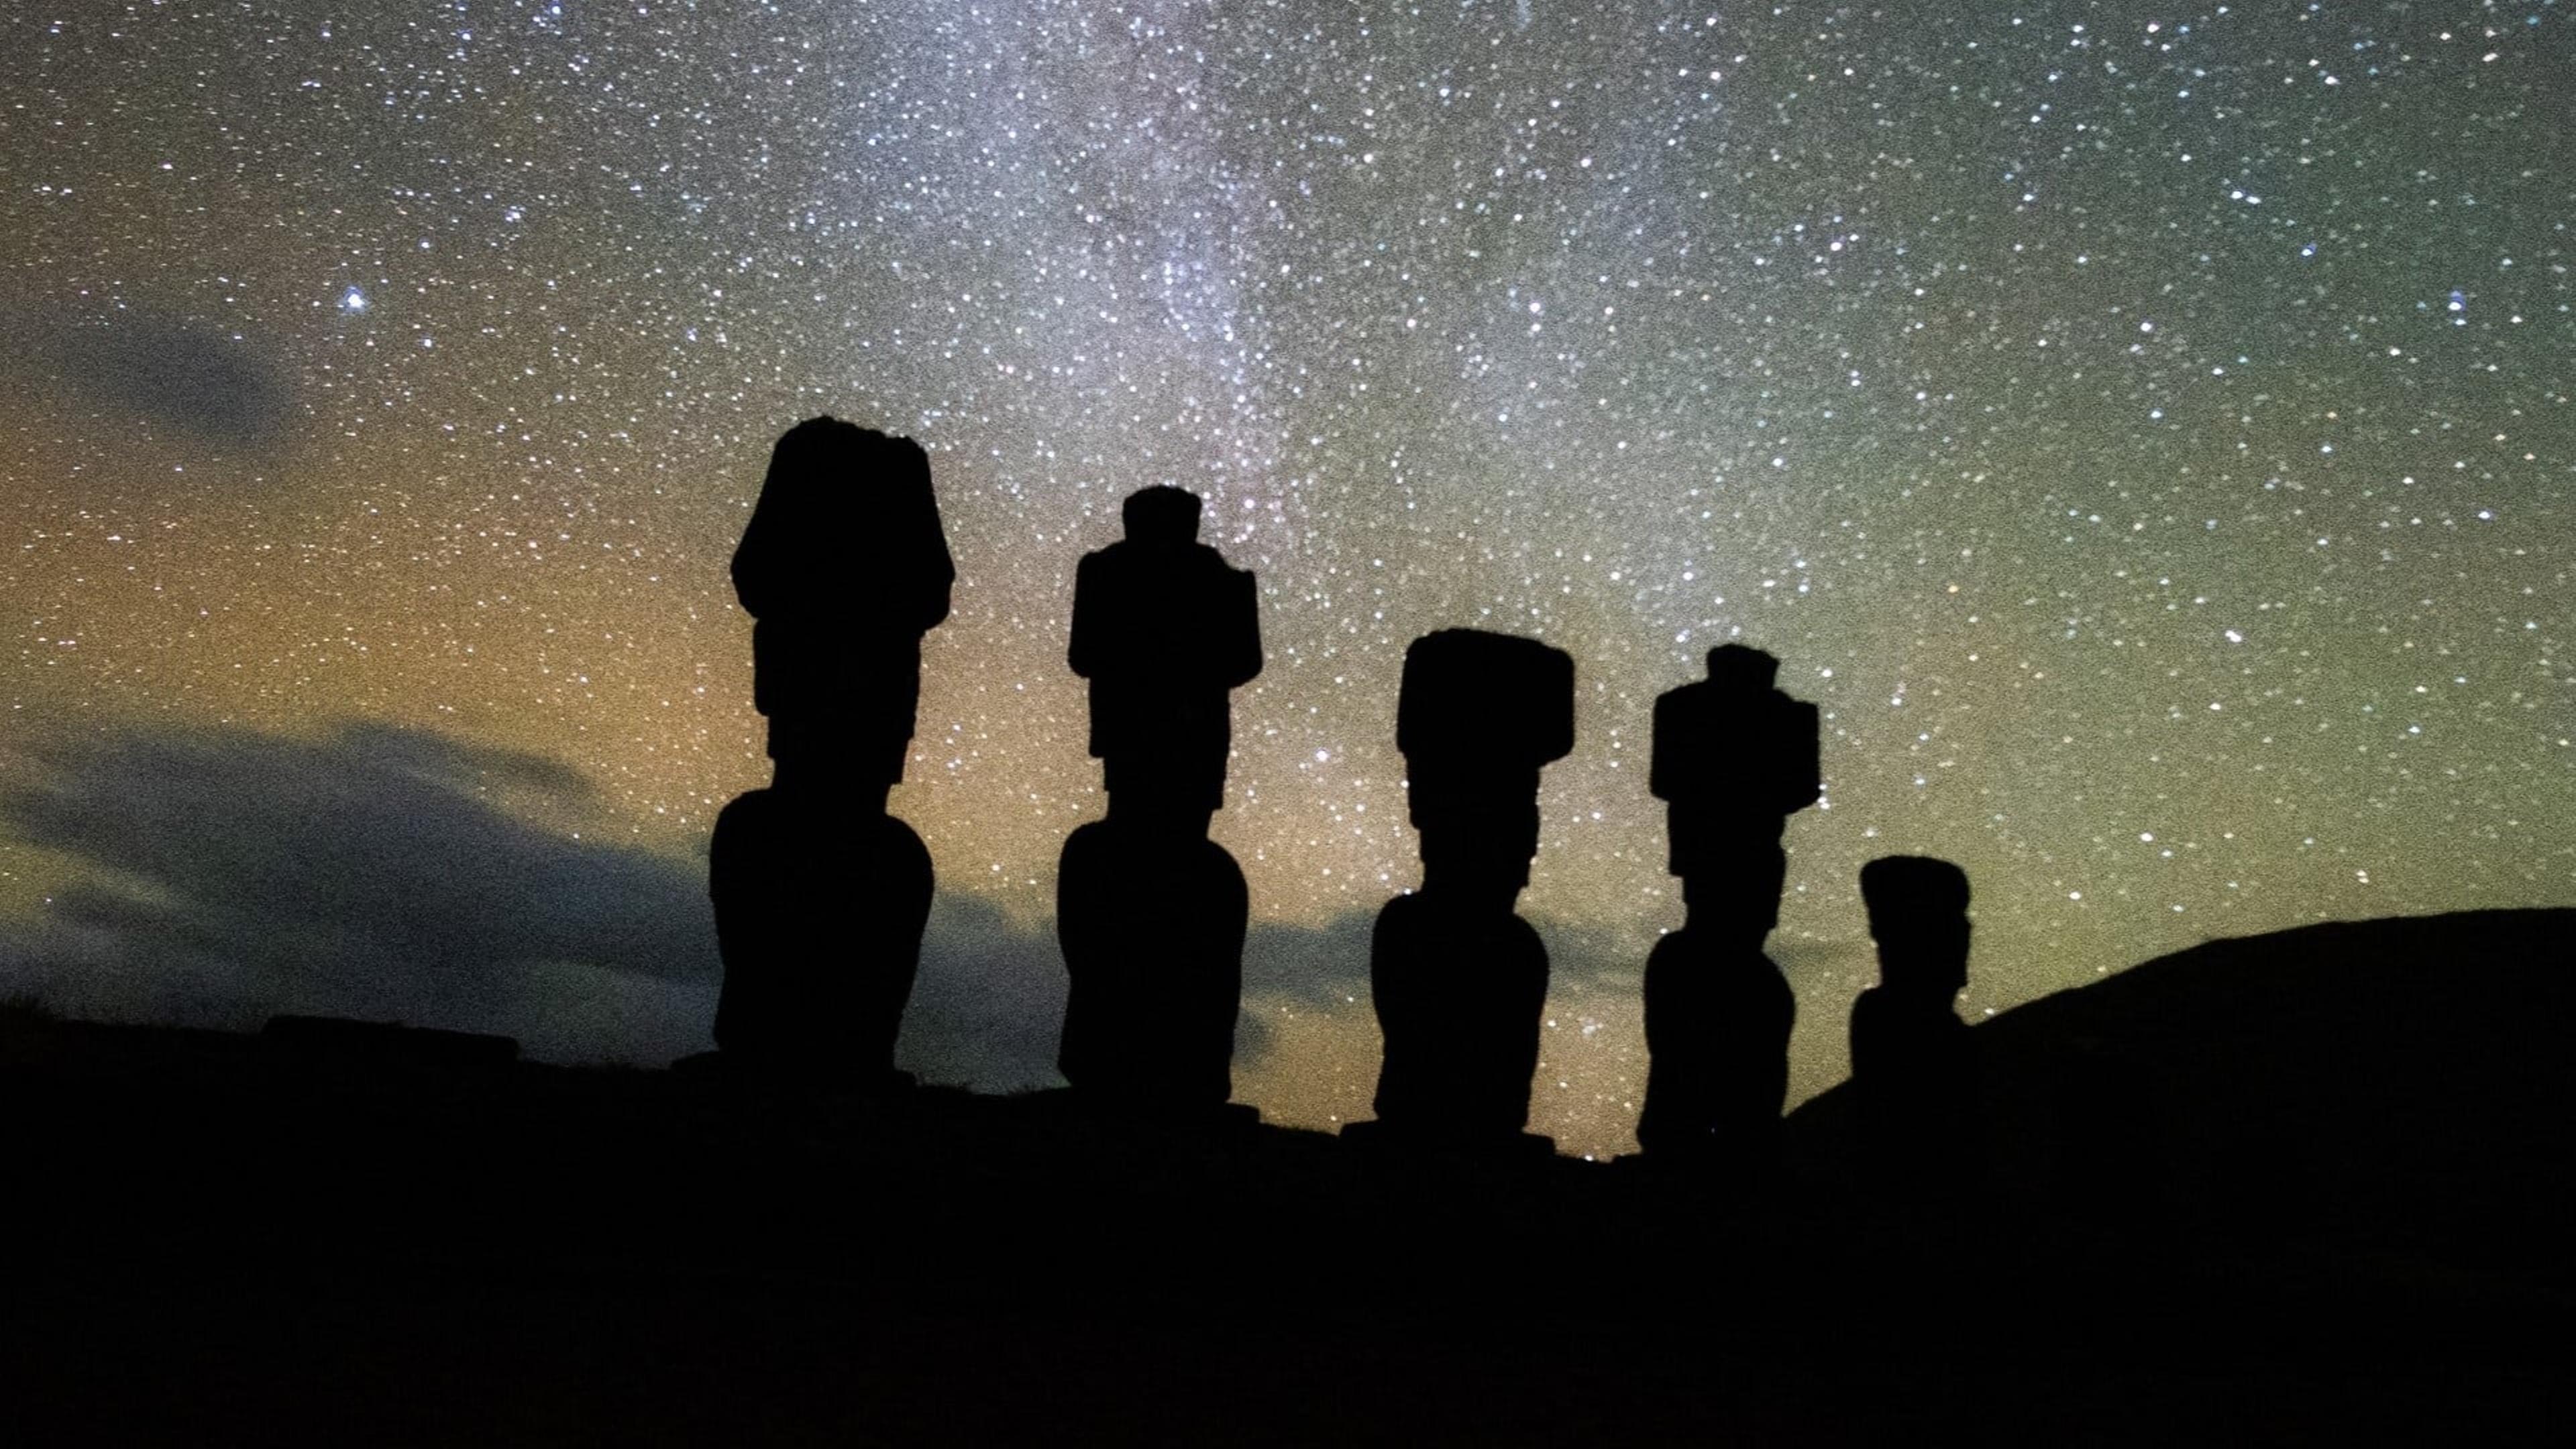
(230, 1239)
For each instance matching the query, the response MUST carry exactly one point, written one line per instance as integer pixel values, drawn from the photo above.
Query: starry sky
(2142, 429)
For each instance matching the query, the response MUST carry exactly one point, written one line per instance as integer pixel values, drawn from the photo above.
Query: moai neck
(1927, 966)
(1719, 912)
(819, 783)
(1928, 994)
(1158, 812)
(1471, 884)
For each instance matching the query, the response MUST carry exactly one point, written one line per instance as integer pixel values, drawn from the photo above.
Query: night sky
(2144, 430)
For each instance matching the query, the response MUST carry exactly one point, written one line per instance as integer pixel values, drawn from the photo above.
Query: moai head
(832, 475)
(1733, 742)
(814, 771)
(1736, 900)
(843, 565)
(1163, 515)
(1477, 717)
(807, 453)
(1918, 914)
(1734, 758)
(1481, 856)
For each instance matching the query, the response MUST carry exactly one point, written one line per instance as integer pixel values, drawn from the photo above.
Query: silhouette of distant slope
(2267, 1188)
(2398, 1089)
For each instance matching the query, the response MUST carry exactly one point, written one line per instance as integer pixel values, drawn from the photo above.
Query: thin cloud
(162, 372)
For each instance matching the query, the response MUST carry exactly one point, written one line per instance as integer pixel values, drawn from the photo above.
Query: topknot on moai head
(1478, 714)
(1161, 514)
(1741, 666)
(1902, 891)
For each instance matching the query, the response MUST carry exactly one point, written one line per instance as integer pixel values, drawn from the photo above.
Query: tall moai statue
(1459, 981)
(1734, 759)
(1913, 1063)
(820, 895)
(1150, 912)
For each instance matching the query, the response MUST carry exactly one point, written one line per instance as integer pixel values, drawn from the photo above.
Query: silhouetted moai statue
(820, 895)
(1912, 1061)
(1734, 758)
(1458, 980)
(1150, 912)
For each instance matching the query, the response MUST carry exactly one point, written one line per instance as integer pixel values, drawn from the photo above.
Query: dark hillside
(2262, 1187)
(2398, 1090)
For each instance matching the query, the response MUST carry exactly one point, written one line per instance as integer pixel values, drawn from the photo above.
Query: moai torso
(1152, 927)
(1718, 1021)
(1459, 994)
(819, 918)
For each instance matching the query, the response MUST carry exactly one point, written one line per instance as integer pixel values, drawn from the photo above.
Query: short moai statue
(1912, 1060)
(1459, 982)
(820, 895)
(1150, 912)
(1734, 758)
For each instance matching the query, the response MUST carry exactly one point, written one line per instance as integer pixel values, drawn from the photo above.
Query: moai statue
(1150, 912)
(820, 895)
(1734, 759)
(1913, 1063)
(1458, 980)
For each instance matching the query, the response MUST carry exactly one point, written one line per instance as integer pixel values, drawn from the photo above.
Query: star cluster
(2143, 430)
